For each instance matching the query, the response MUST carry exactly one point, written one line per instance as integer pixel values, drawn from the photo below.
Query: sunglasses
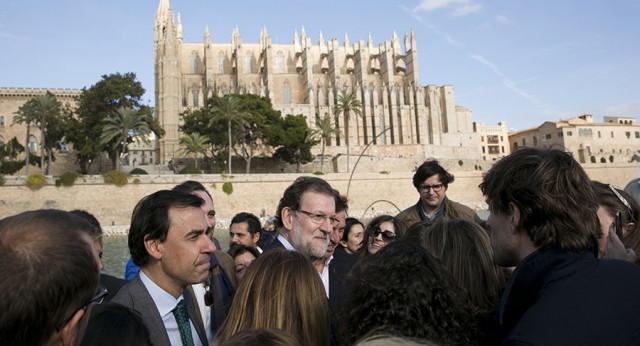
(386, 235)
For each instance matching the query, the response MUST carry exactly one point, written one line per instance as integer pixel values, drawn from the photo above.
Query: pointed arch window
(1, 120)
(33, 144)
(221, 63)
(279, 62)
(247, 63)
(286, 93)
(194, 63)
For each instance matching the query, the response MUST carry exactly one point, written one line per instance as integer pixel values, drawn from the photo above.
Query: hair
(150, 220)
(293, 194)
(557, 203)
(404, 291)
(253, 223)
(49, 271)
(115, 324)
(191, 186)
(350, 222)
(342, 202)
(464, 249)
(239, 249)
(430, 168)
(383, 339)
(281, 290)
(96, 231)
(613, 204)
(261, 337)
(375, 223)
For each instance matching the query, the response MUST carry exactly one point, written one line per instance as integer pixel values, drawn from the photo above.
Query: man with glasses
(305, 217)
(49, 277)
(432, 181)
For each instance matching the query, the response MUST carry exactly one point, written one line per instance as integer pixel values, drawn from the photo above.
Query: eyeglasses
(319, 218)
(386, 235)
(426, 188)
(622, 199)
(101, 292)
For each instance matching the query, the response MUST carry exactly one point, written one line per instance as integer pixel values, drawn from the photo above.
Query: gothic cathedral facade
(400, 118)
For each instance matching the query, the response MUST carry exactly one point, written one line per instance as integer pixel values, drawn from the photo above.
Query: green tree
(347, 104)
(229, 110)
(293, 139)
(324, 130)
(45, 111)
(8, 156)
(98, 102)
(120, 128)
(194, 143)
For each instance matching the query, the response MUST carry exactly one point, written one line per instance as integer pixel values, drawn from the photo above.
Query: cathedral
(400, 118)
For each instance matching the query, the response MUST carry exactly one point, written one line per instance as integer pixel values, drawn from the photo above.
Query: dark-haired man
(49, 278)
(245, 230)
(432, 181)
(169, 240)
(544, 221)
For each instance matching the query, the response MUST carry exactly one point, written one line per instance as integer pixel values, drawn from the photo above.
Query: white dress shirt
(165, 303)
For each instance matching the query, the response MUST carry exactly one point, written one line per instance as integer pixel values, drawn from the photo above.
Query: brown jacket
(452, 210)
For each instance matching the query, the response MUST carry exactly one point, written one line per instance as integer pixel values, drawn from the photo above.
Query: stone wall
(373, 193)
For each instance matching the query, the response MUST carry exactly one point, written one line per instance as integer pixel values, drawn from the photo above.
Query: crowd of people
(554, 264)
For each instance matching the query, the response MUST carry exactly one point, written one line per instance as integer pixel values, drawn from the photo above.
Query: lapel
(195, 316)
(142, 302)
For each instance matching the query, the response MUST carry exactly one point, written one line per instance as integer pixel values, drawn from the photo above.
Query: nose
(210, 247)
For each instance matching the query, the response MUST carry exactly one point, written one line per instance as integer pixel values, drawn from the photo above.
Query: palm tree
(25, 115)
(229, 109)
(324, 129)
(347, 103)
(45, 105)
(122, 125)
(194, 143)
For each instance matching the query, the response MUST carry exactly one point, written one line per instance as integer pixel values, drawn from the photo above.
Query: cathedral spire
(207, 35)
(370, 42)
(396, 43)
(179, 28)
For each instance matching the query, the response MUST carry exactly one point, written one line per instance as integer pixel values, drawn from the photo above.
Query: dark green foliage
(10, 167)
(460, 163)
(2, 181)
(227, 188)
(293, 140)
(138, 171)
(115, 177)
(611, 158)
(593, 159)
(603, 160)
(67, 179)
(190, 170)
(36, 181)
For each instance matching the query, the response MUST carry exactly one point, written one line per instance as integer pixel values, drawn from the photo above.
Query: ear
(629, 228)
(516, 215)
(70, 330)
(153, 246)
(287, 218)
(256, 237)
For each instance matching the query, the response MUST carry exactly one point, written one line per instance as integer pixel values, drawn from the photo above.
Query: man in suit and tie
(169, 240)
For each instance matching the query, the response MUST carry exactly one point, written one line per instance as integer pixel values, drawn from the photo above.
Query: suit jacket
(135, 295)
(113, 285)
(339, 268)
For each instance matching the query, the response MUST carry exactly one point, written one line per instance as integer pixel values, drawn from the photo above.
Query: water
(115, 253)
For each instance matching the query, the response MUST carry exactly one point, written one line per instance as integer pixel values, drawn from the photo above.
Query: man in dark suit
(305, 217)
(169, 240)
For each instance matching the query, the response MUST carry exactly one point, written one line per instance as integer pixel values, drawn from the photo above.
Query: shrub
(227, 188)
(138, 171)
(10, 167)
(318, 173)
(611, 158)
(603, 160)
(460, 163)
(36, 181)
(1, 180)
(67, 179)
(593, 159)
(190, 170)
(115, 177)
(384, 172)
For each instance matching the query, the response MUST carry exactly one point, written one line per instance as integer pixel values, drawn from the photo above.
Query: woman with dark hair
(380, 231)
(403, 290)
(352, 237)
(610, 202)
(464, 249)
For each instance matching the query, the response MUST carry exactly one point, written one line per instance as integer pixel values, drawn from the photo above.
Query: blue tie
(182, 317)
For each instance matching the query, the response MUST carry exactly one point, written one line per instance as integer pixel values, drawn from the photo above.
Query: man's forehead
(208, 202)
(312, 199)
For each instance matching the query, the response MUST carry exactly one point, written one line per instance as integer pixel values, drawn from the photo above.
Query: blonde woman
(281, 290)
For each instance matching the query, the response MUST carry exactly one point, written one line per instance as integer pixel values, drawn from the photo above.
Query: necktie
(182, 317)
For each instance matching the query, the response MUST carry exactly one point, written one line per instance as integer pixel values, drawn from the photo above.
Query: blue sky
(523, 62)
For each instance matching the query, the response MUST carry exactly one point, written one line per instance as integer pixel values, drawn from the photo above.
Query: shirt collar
(164, 301)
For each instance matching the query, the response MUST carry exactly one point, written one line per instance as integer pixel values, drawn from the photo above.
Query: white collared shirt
(285, 243)
(165, 303)
(324, 276)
